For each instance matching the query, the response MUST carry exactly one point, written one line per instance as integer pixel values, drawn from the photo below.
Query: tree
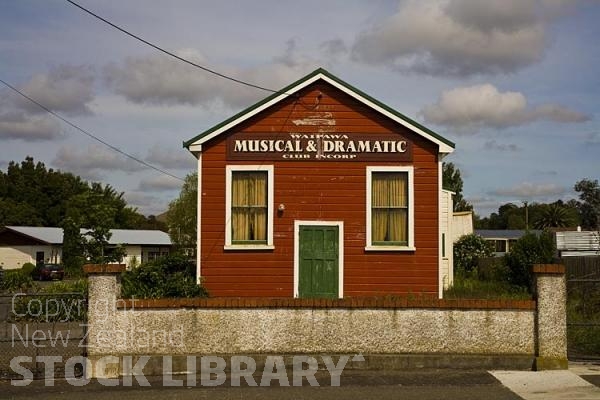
(95, 212)
(99, 219)
(182, 216)
(530, 249)
(468, 250)
(72, 249)
(554, 216)
(31, 194)
(451, 180)
(589, 204)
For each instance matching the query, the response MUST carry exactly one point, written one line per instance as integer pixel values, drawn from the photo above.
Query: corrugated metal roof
(135, 236)
(503, 233)
(48, 235)
(119, 236)
(578, 241)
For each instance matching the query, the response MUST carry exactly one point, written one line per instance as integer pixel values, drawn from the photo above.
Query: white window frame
(229, 169)
(411, 209)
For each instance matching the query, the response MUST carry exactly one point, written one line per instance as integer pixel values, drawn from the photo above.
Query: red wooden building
(320, 190)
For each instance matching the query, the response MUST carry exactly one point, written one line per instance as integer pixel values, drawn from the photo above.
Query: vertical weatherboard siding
(320, 190)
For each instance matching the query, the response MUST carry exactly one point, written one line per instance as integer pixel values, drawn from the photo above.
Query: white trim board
(199, 223)
(442, 147)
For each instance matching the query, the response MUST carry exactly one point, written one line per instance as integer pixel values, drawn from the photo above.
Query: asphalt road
(413, 384)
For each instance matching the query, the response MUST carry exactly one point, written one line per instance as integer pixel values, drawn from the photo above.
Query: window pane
(249, 206)
(500, 246)
(389, 202)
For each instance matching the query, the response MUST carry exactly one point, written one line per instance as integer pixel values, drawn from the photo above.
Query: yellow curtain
(249, 206)
(389, 202)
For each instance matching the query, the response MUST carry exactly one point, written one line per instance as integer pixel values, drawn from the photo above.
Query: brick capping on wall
(352, 302)
(104, 268)
(548, 269)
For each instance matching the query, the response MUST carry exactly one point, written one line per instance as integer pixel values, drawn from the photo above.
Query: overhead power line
(110, 146)
(212, 71)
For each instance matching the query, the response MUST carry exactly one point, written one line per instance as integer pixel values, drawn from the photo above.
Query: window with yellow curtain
(249, 207)
(389, 208)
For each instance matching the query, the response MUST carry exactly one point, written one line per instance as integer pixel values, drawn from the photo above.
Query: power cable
(88, 133)
(185, 60)
(219, 74)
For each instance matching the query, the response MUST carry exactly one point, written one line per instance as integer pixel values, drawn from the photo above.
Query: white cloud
(546, 172)
(94, 162)
(171, 158)
(482, 202)
(160, 183)
(557, 113)
(487, 16)
(18, 126)
(158, 79)
(495, 146)
(138, 199)
(334, 48)
(459, 37)
(527, 190)
(469, 108)
(65, 89)
(145, 203)
(592, 139)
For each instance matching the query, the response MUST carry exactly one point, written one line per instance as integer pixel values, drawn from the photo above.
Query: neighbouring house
(446, 227)
(577, 243)
(28, 244)
(462, 224)
(503, 239)
(320, 190)
(453, 226)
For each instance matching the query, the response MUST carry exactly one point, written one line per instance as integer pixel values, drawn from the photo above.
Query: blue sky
(513, 83)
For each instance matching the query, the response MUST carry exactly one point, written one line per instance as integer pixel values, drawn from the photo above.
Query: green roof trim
(318, 71)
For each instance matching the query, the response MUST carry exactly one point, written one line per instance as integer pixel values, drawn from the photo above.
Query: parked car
(45, 272)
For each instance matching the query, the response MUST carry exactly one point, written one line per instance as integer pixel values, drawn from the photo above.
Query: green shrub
(530, 249)
(468, 250)
(171, 276)
(493, 269)
(465, 287)
(27, 268)
(71, 286)
(16, 280)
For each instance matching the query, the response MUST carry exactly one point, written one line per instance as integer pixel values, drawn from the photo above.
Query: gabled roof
(195, 144)
(42, 234)
(51, 235)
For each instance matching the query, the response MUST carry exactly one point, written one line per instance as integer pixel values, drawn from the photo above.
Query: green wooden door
(318, 261)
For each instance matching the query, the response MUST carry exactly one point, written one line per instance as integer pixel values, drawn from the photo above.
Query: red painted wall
(320, 190)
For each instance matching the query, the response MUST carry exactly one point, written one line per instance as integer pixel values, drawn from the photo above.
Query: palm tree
(554, 216)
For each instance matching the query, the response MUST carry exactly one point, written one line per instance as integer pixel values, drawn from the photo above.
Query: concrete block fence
(388, 332)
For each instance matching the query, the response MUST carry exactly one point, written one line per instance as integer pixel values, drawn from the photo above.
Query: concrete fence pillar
(103, 289)
(551, 317)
